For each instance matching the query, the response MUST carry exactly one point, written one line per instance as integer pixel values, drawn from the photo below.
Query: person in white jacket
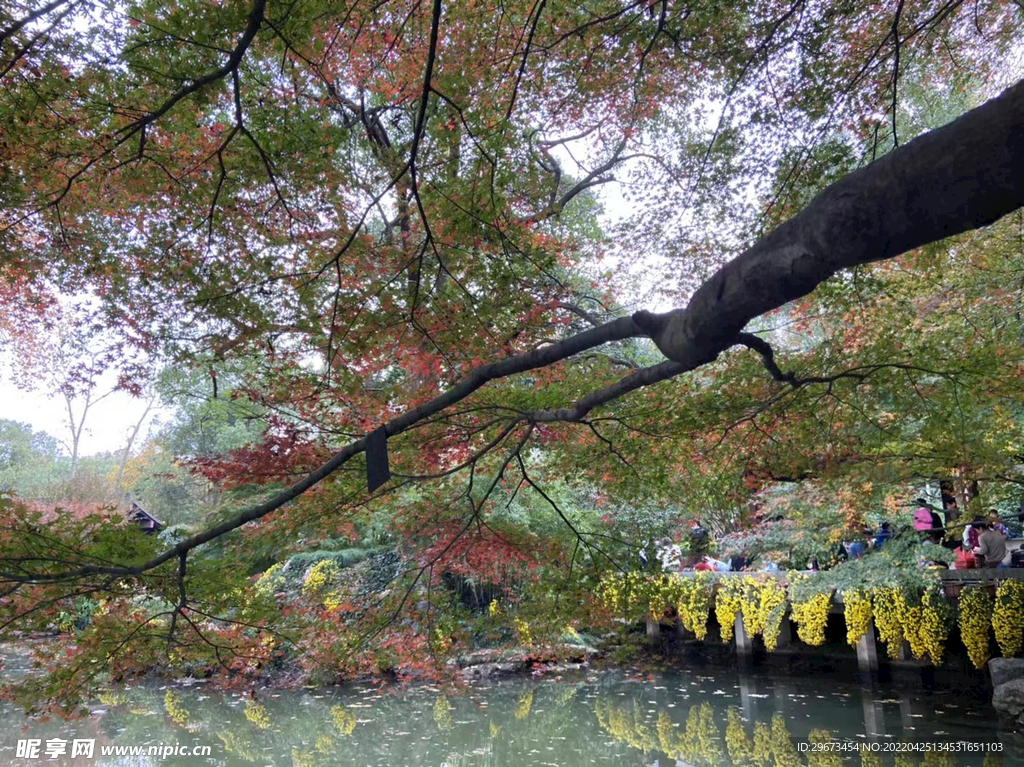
(669, 554)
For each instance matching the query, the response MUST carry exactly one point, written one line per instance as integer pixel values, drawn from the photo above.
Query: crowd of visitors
(982, 544)
(668, 555)
(983, 540)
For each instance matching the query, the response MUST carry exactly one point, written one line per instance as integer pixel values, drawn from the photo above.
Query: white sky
(106, 427)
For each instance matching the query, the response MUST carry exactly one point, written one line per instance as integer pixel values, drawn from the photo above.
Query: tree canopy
(386, 215)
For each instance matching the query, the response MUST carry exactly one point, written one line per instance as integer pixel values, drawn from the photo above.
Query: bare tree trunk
(75, 428)
(131, 440)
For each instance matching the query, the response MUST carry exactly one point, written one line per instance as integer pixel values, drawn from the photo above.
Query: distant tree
(205, 416)
(209, 412)
(151, 398)
(28, 459)
(68, 362)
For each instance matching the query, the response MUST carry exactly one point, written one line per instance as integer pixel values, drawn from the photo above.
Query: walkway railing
(981, 575)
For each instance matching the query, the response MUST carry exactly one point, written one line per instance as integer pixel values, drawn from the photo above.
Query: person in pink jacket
(923, 519)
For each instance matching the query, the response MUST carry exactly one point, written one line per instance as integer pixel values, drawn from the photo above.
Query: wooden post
(744, 647)
(867, 651)
(785, 634)
(653, 629)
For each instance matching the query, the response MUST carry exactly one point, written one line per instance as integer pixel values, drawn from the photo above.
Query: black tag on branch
(377, 470)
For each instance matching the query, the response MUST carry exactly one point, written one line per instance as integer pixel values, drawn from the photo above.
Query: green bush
(78, 614)
(343, 558)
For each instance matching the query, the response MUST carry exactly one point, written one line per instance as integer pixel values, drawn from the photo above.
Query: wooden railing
(983, 575)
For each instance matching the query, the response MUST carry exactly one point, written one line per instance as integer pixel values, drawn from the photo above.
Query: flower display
(771, 611)
(811, 616)
(975, 619)
(728, 604)
(919, 615)
(750, 591)
(320, 576)
(694, 602)
(1008, 618)
(933, 629)
(908, 611)
(522, 629)
(271, 581)
(887, 619)
(631, 595)
(858, 612)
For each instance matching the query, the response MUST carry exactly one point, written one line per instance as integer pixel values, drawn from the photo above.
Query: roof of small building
(139, 514)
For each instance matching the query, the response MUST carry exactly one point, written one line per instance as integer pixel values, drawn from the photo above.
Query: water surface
(700, 718)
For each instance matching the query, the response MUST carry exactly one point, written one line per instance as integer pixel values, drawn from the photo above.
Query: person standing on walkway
(991, 547)
(923, 519)
(670, 555)
(884, 534)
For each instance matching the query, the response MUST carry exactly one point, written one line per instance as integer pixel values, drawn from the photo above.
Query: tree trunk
(75, 428)
(131, 440)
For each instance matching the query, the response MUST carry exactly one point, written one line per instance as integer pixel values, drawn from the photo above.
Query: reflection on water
(663, 720)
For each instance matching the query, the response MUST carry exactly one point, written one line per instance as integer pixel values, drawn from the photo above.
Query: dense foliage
(320, 218)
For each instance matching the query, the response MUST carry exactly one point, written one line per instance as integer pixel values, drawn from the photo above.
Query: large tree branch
(962, 176)
(616, 330)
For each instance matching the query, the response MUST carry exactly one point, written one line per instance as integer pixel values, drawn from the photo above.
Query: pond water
(678, 718)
